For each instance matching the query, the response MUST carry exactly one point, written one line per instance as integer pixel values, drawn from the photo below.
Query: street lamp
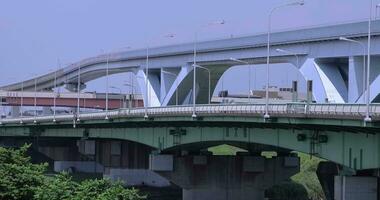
(364, 58)
(107, 73)
(222, 22)
(22, 101)
(78, 93)
(108, 57)
(175, 83)
(35, 100)
(367, 116)
(55, 87)
(147, 91)
(249, 76)
(298, 3)
(209, 80)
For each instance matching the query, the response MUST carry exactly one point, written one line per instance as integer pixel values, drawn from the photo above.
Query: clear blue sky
(34, 34)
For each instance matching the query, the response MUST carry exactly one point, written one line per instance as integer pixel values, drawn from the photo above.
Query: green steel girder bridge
(335, 132)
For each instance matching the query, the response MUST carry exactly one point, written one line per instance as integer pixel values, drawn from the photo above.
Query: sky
(35, 34)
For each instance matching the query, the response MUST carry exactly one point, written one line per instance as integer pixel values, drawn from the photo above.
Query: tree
(19, 177)
(62, 187)
(59, 187)
(22, 180)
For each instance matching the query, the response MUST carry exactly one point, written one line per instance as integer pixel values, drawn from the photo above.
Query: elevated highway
(86, 100)
(333, 65)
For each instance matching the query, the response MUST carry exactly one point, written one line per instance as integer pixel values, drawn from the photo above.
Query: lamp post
(368, 96)
(209, 80)
(78, 93)
(298, 3)
(222, 22)
(22, 101)
(55, 93)
(364, 59)
(147, 91)
(176, 84)
(107, 79)
(249, 76)
(35, 100)
(107, 71)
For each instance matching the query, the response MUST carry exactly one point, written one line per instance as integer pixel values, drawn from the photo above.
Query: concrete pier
(224, 177)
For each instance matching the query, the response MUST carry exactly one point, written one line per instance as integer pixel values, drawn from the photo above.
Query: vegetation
(22, 180)
(287, 191)
(305, 182)
(308, 178)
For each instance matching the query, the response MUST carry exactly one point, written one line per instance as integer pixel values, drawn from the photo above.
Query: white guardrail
(288, 110)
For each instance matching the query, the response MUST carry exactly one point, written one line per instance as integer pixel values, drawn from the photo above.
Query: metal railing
(354, 111)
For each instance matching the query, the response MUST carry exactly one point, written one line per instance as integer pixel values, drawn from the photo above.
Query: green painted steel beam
(344, 141)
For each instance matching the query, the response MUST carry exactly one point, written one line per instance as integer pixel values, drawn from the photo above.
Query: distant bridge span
(335, 66)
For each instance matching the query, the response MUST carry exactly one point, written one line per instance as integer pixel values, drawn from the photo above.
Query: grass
(306, 177)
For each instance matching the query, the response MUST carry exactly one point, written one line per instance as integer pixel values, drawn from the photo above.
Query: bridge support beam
(355, 188)
(224, 177)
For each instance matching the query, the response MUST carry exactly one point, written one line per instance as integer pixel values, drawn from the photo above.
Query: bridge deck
(290, 110)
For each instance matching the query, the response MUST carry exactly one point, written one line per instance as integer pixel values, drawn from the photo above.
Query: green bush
(19, 177)
(287, 191)
(22, 180)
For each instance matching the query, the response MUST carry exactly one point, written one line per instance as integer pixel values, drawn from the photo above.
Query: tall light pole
(107, 71)
(364, 60)
(249, 76)
(35, 100)
(209, 80)
(194, 115)
(78, 93)
(367, 116)
(22, 101)
(107, 79)
(147, 91)
(175, 83)
(55, 87)
(298, 3)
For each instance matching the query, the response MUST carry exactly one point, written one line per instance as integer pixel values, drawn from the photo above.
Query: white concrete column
(153, 96)
(355, 79)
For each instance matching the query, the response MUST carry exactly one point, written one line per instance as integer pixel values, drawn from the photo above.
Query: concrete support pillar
(326, 172)
(150, 95)
(355, 188)
(224, 177)
(356, 78)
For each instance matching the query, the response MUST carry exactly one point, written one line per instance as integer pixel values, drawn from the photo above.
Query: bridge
(67, 99)
(172, 141)
(335, 66)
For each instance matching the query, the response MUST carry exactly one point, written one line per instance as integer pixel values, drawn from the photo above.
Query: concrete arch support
(151, 98)
(329, 80)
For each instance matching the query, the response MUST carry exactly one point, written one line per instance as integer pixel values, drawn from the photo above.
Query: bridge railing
(354, 111)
